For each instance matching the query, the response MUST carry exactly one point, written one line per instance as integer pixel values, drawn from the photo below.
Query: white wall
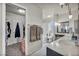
(45, 31)
(34, 16)
(0, 29)
(13, 19)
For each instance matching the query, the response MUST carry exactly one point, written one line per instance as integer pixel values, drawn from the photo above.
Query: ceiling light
(21, 10)
(49, 16)
(70, 16)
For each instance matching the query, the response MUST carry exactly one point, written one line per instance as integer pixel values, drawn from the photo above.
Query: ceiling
(56, 7)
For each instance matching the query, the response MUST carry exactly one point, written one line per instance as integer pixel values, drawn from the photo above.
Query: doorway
(15, 30)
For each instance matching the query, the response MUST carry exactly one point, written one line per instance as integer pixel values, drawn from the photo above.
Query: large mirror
(62, 27)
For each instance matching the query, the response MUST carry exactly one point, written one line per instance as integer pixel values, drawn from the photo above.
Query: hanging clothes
(8, 29)
(23, 31)
(17, 31)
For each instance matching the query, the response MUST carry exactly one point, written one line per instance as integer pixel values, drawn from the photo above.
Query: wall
(0, 29)
(13, 19)
(45, 31)
(34, 16)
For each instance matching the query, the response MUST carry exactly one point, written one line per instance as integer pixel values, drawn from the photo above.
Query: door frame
(3, 28)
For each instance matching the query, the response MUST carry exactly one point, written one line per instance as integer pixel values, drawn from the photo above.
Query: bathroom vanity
(64, 46)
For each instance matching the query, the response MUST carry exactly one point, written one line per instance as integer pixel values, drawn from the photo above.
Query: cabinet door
(33, 33)
(76, 26)
(38, 33)
(51, 52)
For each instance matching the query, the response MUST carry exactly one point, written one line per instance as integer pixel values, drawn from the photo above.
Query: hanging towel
(17, 31)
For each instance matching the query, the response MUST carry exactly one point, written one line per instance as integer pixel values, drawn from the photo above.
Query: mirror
(62, 27)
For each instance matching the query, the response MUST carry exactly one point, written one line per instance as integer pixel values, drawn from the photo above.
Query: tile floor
(13, 50)
(41, 52)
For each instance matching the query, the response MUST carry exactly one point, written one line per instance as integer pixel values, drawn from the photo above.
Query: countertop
(61, 33)
(65, 46)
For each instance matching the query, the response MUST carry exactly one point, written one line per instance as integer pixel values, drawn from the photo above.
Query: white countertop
(65, 46)
(62, 33)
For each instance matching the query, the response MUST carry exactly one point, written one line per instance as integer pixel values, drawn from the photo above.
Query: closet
(15, 30)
